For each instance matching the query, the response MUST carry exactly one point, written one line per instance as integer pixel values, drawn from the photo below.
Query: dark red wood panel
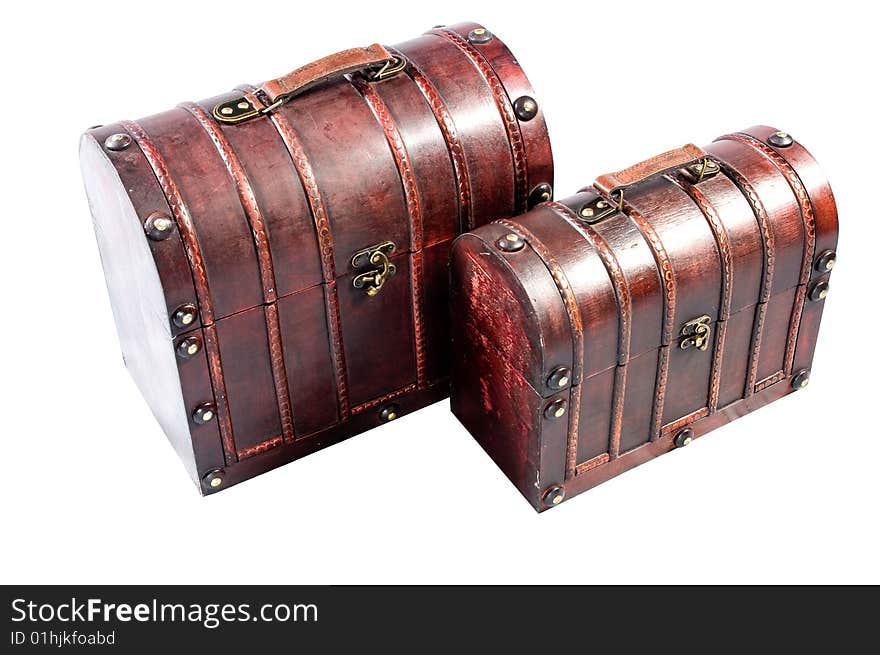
(221, 228)
(305, 340)
(435, 268)
(477, 121)
(378, 334)
(595, 415)
(244, 353)
(280, 198)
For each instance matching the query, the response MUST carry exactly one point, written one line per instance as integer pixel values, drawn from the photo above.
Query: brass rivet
(780, 139)
(226, 110)
(555, 409)
(553, 495)
(158, 226)
(244, 105)
(510, 242)
(540, 193)
(204, 413)
(587, 212)
(683, 438)
(479, 35)
(389, 413)
(188, 347)
(826, 261)
(117, 142)
(601, 204)
(559, 378)
(213, 479)
(818, 291)
(801, 379)
(525, 108)
(184, 315)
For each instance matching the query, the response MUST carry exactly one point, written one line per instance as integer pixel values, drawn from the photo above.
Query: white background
(90, 491)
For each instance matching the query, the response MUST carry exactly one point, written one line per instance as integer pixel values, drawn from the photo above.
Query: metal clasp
(390, 68)
(695, 333)
(702, 170)
(375, 267)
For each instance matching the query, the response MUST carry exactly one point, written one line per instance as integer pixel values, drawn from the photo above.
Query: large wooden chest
(597, 332)
(277, 257)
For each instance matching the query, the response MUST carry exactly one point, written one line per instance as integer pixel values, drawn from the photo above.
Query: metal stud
(554, 495)
(541, 193)
(780, 139)
(555, 409)
(510, 242)
(158, 226)
(826, 261)
(526, 108)
(117, 141)
(480, 35)
(389, 413)
(188, 347)
(818, 291)
(683, 438)
(185, 315)
(204, 413)
(559, 378)
(801, 379)
(213, 480)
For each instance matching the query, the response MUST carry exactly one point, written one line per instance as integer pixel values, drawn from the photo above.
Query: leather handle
(347, 61)
(612, 183)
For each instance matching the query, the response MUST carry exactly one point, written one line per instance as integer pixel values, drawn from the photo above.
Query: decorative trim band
(624, 305)
(809, 219)
(505, 108)
(722, 240)
(200, 279)
(414, 212)
(573, 310)
(264, 258)
(767, 238)
(453, 142)
(667, 282)
(325, 244)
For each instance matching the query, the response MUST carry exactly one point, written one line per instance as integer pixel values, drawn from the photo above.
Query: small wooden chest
(277, 257)
(597, 332)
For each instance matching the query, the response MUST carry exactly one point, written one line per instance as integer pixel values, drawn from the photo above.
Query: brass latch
(374, 267)
(695, 333)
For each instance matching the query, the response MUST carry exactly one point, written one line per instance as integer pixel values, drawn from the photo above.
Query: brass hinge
(597, 209)
(374, 267)
(695, 333)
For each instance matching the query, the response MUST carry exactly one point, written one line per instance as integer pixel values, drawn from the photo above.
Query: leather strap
(336, 65)
(611, 183)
